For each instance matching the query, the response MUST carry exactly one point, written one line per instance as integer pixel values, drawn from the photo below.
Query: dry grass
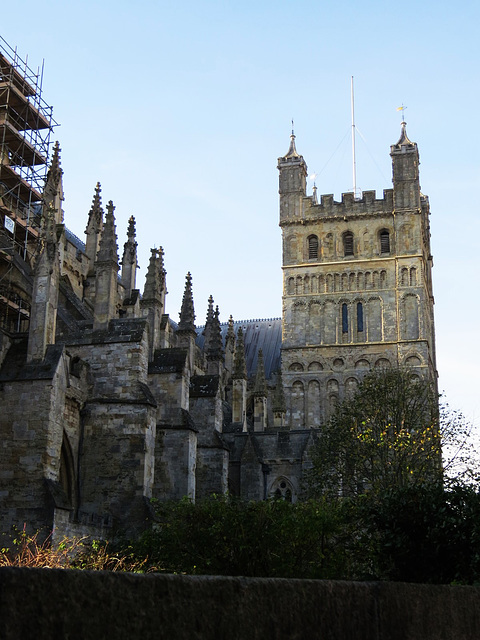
(36, 551)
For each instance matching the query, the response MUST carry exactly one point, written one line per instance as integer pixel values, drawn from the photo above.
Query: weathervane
(402, 109)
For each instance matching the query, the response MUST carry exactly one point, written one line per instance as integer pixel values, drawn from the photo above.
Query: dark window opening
(359, 316)
(348, 244)
(384, 242)
(312, 247)
(344, 318)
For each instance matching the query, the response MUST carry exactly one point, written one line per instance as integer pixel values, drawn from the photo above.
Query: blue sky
(181, 110)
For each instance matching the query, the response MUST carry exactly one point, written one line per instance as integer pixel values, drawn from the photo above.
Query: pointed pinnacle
(108, 249)
(239, 364)
(187, 313)
(279, 404)
(260, 389)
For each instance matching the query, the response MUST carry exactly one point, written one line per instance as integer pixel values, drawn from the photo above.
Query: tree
(389, 434)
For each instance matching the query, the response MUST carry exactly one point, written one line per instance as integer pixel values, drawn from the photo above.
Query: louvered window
(312, 247)
(348, 244)
(384, 242)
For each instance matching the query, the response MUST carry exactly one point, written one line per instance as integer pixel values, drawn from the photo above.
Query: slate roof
(257, 334)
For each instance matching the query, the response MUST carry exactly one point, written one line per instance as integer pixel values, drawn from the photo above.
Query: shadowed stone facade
(106, 402)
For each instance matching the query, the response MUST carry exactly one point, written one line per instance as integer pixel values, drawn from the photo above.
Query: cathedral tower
(357, 287)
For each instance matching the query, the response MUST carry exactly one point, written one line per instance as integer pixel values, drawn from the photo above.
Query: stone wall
(40, 604)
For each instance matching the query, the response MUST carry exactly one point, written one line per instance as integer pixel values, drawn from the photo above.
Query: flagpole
(354, 167)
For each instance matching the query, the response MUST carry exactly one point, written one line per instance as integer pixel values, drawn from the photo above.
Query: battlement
(351, 206)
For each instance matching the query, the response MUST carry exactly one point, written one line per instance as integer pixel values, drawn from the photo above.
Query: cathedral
(107, 403)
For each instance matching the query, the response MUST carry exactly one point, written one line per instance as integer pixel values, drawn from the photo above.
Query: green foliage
(224, 536)
(419, 534)
(387, 435)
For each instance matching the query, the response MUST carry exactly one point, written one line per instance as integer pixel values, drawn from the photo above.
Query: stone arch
(413, 361)
(292, 248)
(67, 474)
(314, 404)
(362, 364)
(297, 411)
(329, 322)
(351, 282)
(314, 320)
(404, 277)
(374, 320)
(413, 276)
(291, 286)
(329, 283)
(299, 286)
(383, 279)
(351, 385)
(315, 366)
(296, 366)
(338, 364)
(410, 319)
(306, 284)
(382, 363)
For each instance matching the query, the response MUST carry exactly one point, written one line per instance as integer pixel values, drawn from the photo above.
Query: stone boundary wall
(64, 604)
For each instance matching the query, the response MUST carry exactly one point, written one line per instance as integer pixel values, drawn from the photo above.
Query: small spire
(213, 339)
(292, 151)
(131, 228)
(130, 246)
(404, 140)
(314, 196)
(187, 313)
(208, 322)
(53, 190)
(279, 404)
(230, 337)
(260, 389)
(55, 171)
(108, 249)
(154, 280)
(239, 365)
(95, 215)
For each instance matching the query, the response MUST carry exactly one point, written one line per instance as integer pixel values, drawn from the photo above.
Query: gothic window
(291, 286)
(312, 247)
(348, 243)
(282, 489)
(359, 316)
(344, 318)
(384, 241)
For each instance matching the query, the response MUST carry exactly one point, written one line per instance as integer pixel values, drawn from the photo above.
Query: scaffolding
(26, 125)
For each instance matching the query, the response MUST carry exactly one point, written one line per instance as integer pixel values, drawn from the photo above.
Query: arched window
(312, 247)
(359, 316)
(384, 241)
(344, 318)
(348, 243)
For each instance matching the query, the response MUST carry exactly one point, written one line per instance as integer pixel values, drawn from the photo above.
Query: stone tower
(357, 289)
